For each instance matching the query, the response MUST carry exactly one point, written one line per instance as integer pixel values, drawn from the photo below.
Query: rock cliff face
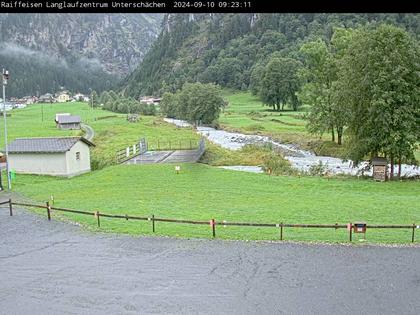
(79, 52)
(116, 42)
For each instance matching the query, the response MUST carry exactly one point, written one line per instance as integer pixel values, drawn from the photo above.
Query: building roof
(379, 161)
(68, 119)
(45, 145)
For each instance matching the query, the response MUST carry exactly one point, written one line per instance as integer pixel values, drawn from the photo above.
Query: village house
(63, 97)
(79, 97)
(66, 121)
(56, 156)
(150, 100)
(46, 98)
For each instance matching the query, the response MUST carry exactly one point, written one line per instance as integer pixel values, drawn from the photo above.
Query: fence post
(97, 215)
(153, 223)
(10, 207)
(412, 235)
(281, 231)
(213, 227)
(48, 211)
(351, 231)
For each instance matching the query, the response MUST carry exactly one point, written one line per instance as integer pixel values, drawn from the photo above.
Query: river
(300, 159)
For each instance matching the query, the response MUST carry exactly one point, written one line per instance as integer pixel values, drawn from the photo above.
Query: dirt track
(56, 268)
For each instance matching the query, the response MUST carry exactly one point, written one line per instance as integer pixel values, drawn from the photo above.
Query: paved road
(89, 132)
(56, 268)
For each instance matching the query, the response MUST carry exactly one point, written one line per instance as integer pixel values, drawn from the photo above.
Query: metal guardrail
(159, 145)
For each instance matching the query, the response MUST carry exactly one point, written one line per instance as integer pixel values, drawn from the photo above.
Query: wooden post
(97, 215)
(412, 235)
(48, 211)
(213, 227)
(281, 231)
(153, 223)
(351, 231)
(10, 207)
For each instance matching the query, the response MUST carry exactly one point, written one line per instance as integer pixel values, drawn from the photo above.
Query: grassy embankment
(247, 114)
(202, 192)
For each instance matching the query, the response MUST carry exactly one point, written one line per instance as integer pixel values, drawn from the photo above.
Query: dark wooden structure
(380, 169)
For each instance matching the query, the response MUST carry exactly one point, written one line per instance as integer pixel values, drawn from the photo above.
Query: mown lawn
(201, 192)
(247, 113)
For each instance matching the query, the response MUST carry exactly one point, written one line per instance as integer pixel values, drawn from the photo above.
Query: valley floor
(201, 192)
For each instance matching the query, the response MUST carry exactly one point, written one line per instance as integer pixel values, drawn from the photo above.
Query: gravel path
(57, 268)
(89, 132)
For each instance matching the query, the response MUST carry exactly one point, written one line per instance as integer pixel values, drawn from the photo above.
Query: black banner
(203, 6)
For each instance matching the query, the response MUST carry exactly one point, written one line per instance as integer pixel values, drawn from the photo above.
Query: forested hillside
(228, 49)
(77, 51)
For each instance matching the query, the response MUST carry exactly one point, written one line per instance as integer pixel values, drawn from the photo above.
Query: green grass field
(246, 112)
(201, 192)
(111, 134)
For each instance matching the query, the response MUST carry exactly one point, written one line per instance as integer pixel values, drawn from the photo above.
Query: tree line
(116, 102)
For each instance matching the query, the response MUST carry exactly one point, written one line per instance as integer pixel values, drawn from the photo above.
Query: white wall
(39, 163)
(57, 164)
(75, 167)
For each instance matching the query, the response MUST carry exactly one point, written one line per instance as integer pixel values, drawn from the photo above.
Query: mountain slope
(224, 48)
(73, 50)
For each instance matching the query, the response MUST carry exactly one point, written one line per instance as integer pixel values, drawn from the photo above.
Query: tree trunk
(339, 135)
(282, 106)
(332, 134)
(399, 168)
(391, 175)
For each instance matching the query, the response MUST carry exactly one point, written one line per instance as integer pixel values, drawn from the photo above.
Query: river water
(300, 159)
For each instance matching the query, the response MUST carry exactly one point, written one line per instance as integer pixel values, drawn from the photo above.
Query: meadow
(247, 114)
(111, 134)
(202, 192)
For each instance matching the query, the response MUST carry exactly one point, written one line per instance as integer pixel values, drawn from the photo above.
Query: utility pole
(5, 78)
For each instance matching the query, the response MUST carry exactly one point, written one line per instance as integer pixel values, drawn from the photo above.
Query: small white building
(56, 156)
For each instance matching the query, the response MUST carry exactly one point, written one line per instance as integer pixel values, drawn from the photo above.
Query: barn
(68, 121)
(56, 156)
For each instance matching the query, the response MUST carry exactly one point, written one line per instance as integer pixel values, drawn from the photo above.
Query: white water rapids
(300, 159)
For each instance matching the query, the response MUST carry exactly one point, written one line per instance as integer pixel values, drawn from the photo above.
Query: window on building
(77, 156)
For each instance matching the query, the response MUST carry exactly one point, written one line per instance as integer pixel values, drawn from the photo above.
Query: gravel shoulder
(58, 268)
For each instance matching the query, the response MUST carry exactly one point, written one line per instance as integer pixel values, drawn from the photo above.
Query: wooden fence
(212, 222)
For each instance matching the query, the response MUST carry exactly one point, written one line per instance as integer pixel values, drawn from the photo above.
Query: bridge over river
(161, 153)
